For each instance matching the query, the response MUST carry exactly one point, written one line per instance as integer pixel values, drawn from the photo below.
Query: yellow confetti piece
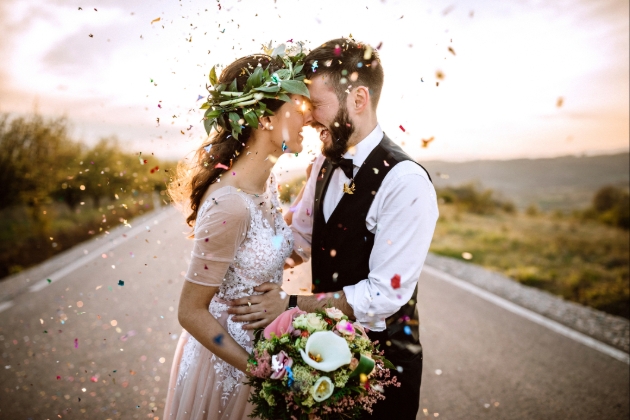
(155, 20)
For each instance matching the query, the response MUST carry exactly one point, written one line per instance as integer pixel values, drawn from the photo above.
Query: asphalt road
(86, 347)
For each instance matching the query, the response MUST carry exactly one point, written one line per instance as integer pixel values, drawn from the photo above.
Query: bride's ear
(265, 123)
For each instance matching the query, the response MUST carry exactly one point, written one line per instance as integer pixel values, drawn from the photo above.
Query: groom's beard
(339, 136)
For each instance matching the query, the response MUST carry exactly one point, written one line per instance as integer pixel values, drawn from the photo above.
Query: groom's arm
(402, 217)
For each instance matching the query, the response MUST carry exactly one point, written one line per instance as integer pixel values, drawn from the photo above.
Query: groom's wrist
(293, 302)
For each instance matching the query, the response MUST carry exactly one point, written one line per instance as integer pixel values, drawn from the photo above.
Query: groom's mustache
(323, 131)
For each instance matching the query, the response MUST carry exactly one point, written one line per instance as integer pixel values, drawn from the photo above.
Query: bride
(240, 237)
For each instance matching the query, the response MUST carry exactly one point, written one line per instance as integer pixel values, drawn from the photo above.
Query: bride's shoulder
(225, 202)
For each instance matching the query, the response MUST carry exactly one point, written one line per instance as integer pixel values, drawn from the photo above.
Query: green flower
(311, 322)
(341, 377)
(303, 377)
(266, 393)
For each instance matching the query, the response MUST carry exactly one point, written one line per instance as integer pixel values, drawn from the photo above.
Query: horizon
(521, 80)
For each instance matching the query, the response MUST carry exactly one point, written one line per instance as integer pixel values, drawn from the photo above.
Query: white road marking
(530, 315)
(59, 274)
(6, 305)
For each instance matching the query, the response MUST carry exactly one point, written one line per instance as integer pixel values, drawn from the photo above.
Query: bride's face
(288, 122)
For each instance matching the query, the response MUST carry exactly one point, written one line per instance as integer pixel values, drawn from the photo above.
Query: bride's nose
(308, 115)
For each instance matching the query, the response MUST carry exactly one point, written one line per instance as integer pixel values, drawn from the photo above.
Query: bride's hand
(259, 310)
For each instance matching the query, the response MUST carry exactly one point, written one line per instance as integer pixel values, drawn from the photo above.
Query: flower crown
(246, 107)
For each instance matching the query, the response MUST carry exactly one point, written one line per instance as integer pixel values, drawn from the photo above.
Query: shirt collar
(359, 152)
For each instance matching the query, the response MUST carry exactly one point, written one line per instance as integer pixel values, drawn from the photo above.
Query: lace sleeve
(220, 229)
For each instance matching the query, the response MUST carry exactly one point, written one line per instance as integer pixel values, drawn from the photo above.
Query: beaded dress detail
(202, 386)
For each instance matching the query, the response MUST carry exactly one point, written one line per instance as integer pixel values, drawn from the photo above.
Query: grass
(24, 244)
(583, 261)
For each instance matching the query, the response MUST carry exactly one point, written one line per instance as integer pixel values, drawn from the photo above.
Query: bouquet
(316, 366)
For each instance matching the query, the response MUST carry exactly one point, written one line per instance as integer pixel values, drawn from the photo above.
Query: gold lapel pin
(350, 189)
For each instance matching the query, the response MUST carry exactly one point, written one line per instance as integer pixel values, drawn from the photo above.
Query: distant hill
(565, 183)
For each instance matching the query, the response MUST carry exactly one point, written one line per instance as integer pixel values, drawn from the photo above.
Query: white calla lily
(322, 389)
(330, 351)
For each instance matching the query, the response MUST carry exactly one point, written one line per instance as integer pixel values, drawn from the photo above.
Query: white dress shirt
(402, 217)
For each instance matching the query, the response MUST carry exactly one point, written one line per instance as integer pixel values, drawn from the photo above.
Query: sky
(106, 67)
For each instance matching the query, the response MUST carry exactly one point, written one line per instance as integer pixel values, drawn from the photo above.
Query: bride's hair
(193, 179)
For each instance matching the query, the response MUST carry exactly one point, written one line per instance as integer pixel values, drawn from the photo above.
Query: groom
(366, 221)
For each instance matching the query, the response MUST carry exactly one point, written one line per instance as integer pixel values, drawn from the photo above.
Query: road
(85, 347)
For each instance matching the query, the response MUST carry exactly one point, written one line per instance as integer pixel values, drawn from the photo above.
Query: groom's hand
(259, 310)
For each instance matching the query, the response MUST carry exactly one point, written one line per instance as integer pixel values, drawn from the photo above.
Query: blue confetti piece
(121, 283)
(207, 148)
(314, 66)
(276, 241)
(199, 97)
(290, 374)
(407, 330)
(218, 339)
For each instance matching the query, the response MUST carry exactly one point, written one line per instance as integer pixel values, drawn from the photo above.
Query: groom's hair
(344, 59)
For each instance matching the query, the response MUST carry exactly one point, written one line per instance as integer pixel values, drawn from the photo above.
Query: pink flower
(278, 364)
(334, 313)
(283, 324)
(345, 328)
(262, 368)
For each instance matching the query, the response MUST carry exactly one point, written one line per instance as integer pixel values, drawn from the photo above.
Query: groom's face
(330, 117)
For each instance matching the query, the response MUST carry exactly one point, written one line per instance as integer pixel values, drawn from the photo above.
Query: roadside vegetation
(57, 192)
(582, 255)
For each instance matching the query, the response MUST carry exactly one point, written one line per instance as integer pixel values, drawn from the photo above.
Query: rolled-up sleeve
(403, 218)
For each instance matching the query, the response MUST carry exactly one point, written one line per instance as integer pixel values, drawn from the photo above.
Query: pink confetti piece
(76, 343)
(221, 166)
(402, 128)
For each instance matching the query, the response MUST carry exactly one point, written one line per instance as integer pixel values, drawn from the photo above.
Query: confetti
(207, 148)
(76, 343)
(402, 128)
(451, 50)
(155, 20)
(121, 283)
(425, 142)
(559, 102)
(395, 281)
(49, 280)
(314, 66)
(276, 241)
(218, 339)
(407, 330)
(221, 166)
(199, 97)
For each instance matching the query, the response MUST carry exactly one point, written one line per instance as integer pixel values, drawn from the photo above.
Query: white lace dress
(248, 235)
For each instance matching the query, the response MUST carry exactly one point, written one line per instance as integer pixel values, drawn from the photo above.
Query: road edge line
(113, 243)
(530, 315)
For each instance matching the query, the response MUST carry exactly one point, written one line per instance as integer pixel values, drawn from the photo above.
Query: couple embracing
(364, 219)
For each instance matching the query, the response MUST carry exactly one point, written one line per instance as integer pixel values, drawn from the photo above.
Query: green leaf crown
(244, 108)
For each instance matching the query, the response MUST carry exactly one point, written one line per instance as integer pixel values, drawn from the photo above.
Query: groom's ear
(361, 99)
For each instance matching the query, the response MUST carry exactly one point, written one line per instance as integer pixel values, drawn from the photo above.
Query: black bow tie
(346, 166)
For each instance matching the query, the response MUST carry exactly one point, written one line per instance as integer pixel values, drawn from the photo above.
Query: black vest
(341, 247)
